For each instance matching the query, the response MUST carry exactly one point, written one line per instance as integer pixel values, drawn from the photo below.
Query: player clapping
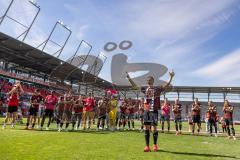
(177, 109)
(228, 116)
(196, 115)
(212, 111)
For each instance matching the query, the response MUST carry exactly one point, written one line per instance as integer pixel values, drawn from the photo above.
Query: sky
(198, 39)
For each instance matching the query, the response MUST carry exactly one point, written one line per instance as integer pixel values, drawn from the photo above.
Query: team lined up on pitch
(113, 113)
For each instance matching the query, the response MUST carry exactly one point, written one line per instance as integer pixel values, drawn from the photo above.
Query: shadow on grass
(198, 154)
(69, 131)
(193, 135)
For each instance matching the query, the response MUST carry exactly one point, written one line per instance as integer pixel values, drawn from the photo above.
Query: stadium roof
(15, 51)
(22, 54)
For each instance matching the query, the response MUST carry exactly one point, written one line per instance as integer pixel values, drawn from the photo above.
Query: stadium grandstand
(20, 61)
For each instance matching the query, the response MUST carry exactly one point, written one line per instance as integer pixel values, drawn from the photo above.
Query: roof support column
(209, 96)
(178, 95)
(86, 89)
(224, 96)
(6, 66)
(92, 90)
(79, 88)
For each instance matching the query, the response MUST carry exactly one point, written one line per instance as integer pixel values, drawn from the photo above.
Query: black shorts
(196, 119)
(178, 119)
(118, 115)
(212, 121)
(33, 111)
(122, 116)
(130, 116)
(228, 121)
(67, 115)
(150, 118)
(141, 116)
(48, 112)
(59, 114)
(76, 117)
(102, 116)
(165, 118)
(12, 109)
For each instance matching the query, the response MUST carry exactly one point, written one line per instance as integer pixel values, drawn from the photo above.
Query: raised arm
(134, 85)
(171, 74)
(223, 109)
(12, 90)
(231, 108)
(21, 89)
(173, 108)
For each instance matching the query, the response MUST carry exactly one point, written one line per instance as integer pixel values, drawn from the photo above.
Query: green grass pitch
(120, 145)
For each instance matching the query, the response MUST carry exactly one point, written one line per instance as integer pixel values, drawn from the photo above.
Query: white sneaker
(12, 126)
(59, 129)
(47, 128)
(4, 126)
(100, 128)
(234, 138)
(133, 129)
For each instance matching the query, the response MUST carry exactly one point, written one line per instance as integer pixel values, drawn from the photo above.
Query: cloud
(172, 31)
(171, 19)
(81, 31)
(223, 71)
(71, 8)
(182, 39)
